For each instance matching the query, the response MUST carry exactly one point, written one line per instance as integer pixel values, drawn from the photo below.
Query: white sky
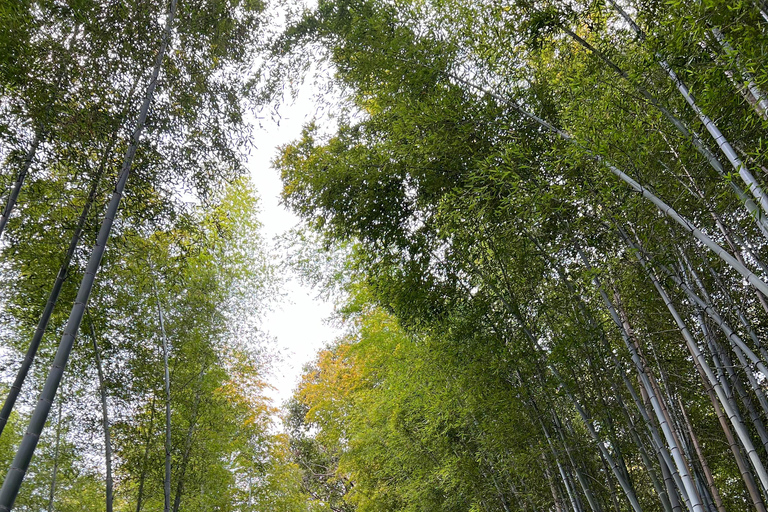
(298, 323)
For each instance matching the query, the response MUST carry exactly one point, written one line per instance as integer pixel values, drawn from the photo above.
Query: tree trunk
(626, 486)
(20, 177)
(686, 485)
(685, 131)
(707, 472)
(736, 384)
(187, 449)
(53, 297)
(40, 133)
(759, 102)
(593, 505)
(575, 505)
(167, 378)
(746, 474)
(104, 415)
(52, 493)
(663, 207)
(553, 489)
(147, 443)
(722, 142)
(695, 352)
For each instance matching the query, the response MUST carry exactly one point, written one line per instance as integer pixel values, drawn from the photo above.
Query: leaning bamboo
(685, 131)
(760, 101)
(698, 356)
(53, 297)
(38, 139)
(686, 484)
(55, 474)
(722, 142)
(663, 207)
(23, 456)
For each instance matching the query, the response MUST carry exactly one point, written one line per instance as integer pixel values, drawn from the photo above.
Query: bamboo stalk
(167, 381)
(696, 353)
(722, 142)
(104, 416)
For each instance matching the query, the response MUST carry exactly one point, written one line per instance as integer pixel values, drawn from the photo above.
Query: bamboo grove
(555, 277)
(132, 272)
(546, 225)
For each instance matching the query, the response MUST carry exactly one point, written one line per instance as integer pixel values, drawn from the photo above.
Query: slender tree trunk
(663, 207)
(660, 490)
(187, 450)
(52, 493)
(703, 461)
(693, 348)
(761, 6)
(736, 384)
(593, 505)
(738, 346)
(733, 305)
(686, 484)
(489, 476)
(611, 486)
(756, 387)
(667, 210)
(722, 142)
(741, 464)
(760, 103)
(575, 505)
(20, 177)
(40, 134)
(147, 443)
(104, 415)
(626, 486)
(652, 394)
(592, 325)
(685, 131)
(23, 456)
(586, 418)
(167, 378)
(553, 489)
(53, 297)
(711, 312)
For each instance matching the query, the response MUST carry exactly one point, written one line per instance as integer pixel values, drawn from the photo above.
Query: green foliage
(502, 248)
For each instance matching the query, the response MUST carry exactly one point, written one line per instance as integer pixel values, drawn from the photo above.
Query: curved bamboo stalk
(685, 131)
(663, 207)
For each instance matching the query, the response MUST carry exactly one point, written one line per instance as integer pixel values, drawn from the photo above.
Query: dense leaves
(552, 204)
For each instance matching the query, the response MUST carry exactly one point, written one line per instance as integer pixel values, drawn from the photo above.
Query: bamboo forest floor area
(541, 227)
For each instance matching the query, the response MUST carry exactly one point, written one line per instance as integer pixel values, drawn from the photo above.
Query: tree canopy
(544, 225)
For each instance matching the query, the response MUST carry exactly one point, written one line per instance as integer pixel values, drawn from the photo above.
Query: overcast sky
(298, 323)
